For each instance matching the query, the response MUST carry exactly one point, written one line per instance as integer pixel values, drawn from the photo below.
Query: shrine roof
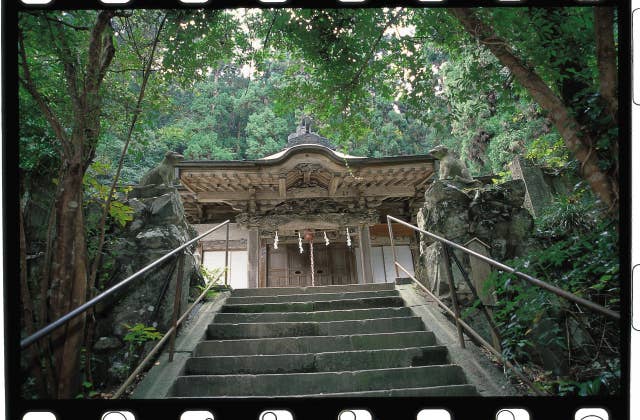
(308, 171)
(285, 154)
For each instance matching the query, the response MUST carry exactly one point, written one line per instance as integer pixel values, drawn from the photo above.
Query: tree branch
(29, 85)
(66, 57)
(129, 70)
(61, 22)
(99, 57)
(134, 119)
(57, 21)
(365, 64)
(267, 37)
(134, 40)
(101, 52)
(606, 54)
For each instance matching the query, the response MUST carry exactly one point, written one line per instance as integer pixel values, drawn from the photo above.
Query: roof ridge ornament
(305, 135)
(306, 124)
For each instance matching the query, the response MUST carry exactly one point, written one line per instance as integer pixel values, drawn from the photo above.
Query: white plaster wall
(382, 263)
(237, 266)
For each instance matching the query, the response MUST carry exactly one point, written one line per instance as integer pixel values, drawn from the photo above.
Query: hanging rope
(313, 277)
(300, 243)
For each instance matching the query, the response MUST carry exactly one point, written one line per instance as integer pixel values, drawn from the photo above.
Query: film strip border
(380, 408)
(334, 409)
(86, 4)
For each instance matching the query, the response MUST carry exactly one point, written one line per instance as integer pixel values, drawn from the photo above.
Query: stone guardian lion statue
(164, 173)
(451, 168)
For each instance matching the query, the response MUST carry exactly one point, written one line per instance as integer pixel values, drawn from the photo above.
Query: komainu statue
(451, 167)
(164, 173)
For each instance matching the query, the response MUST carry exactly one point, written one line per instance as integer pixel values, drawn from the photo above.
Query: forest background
(104, 94)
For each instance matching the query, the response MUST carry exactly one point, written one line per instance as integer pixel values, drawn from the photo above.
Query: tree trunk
(68, 271)
(69, 278)
(606, 54)
(575, 137)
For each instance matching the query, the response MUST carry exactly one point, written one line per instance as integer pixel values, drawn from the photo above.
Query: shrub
(580, 254)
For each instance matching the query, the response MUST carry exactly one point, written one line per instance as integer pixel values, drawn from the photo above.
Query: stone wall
(489, 218)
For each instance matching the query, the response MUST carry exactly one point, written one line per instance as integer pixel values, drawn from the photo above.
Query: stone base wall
(489, 219)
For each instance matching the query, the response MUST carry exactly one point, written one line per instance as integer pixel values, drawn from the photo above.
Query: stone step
(318, 362)
(320, 344)
(373, 302)
(317, 383)
(318, 316)
(308, 297)
(297, 329)
(273, 291)
(434, 391)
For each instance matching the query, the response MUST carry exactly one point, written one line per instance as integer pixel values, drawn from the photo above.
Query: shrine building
(307, 197)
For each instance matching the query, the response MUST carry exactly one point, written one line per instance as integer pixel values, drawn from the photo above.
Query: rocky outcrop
(492, 214)
(489, 219)
(158, 226)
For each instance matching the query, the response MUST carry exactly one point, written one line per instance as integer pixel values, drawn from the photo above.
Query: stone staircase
(343, 341)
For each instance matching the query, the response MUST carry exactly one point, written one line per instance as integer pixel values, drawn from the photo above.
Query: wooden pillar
(262, 267)
(365, 253)
(253, 257)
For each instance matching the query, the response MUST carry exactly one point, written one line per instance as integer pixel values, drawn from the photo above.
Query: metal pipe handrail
(553, 289)
(170, 333)
(470, 331)
(85, 306)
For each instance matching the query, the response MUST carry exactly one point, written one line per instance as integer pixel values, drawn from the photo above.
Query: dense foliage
(579, 253)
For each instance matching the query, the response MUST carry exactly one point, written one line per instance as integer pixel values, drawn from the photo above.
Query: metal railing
(455, 313)
(102, 296)
(171, 333)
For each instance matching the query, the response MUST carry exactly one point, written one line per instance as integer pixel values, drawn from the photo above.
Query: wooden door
(322, 258)
(299, 270)
(334, 264)
(277, 267)
(343, 267)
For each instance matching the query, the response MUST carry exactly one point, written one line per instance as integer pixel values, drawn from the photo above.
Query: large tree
(70, 69)
(72, 109)
(562, 101)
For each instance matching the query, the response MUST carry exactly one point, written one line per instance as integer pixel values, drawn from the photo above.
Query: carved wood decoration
(306, 184)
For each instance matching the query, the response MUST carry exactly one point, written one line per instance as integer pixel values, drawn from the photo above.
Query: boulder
(166, 209)
(105, 344)
(154, 238)
(491, 213)
(445, 211)
(159, 226)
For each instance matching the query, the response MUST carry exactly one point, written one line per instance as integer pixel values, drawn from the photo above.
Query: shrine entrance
(307, 200)
(333, 265)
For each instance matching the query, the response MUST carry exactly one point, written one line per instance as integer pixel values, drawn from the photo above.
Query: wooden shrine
(308, 188)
